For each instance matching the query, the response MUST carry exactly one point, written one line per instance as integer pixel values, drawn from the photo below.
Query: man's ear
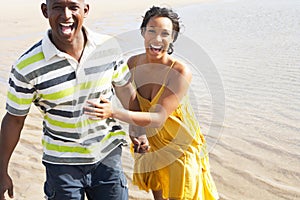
(86, 10)
(44, 10)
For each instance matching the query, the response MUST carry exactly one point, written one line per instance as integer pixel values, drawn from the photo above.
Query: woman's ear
(44, 10)
(143, 32)
(173, 36)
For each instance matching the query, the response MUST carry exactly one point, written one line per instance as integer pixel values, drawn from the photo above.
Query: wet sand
(254, 48)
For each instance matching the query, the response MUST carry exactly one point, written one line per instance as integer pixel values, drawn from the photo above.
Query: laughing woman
(176, 166)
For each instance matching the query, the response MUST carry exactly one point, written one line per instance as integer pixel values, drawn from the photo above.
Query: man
(69, 66)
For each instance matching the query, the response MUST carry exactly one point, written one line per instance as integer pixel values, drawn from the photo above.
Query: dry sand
(21, 25)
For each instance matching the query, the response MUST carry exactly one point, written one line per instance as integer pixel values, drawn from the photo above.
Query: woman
(176, 166)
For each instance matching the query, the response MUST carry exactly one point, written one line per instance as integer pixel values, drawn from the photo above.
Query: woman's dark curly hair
(163, 12)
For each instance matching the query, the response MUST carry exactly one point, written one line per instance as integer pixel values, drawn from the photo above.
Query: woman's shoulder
(132, 61)
(182, 69)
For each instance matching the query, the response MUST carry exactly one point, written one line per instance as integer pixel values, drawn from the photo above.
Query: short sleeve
(20, 93)
(121, 73)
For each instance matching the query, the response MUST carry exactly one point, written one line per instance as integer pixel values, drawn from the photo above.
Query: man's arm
(127, 96)
(9, 136)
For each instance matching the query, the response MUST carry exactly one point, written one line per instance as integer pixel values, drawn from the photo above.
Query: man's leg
(63, 182)
(108, 181)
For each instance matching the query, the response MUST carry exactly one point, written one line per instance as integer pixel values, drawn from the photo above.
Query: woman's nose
(158, 37)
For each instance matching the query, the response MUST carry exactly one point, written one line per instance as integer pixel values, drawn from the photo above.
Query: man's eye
(56, 7)
(74, 8)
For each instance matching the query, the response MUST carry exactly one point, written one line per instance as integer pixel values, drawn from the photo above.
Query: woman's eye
(165, 34)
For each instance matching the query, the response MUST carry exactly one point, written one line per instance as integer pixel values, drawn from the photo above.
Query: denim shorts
(104, 180)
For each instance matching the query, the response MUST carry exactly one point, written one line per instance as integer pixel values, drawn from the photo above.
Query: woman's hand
(99, 111)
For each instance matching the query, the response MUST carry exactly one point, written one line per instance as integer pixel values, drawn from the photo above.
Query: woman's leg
(158, 195)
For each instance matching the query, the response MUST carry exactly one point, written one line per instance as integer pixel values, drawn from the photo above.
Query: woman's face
(158, 35)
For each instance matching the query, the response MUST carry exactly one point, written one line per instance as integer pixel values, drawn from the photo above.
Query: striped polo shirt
(60, 86)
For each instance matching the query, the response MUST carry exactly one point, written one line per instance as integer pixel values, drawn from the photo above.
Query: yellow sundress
(177, 162)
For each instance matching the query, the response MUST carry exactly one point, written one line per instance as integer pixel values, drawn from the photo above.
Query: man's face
(65, 18)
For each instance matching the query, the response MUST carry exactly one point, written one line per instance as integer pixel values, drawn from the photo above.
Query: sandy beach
(249, 112)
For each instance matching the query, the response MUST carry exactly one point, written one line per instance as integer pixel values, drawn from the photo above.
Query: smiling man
(59, 74)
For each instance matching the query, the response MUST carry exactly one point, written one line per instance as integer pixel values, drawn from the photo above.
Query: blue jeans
(104, 180)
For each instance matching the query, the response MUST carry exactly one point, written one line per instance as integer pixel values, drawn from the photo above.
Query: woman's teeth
(156, 48)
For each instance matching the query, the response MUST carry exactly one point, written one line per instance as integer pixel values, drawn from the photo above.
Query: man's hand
(6, 184)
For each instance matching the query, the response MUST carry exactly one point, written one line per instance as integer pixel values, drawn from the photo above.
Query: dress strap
(171, 66)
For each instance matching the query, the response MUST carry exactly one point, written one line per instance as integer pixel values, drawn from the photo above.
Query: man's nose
(68, 13)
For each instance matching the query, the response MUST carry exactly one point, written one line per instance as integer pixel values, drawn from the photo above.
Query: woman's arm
(99, 111)
(176, 87)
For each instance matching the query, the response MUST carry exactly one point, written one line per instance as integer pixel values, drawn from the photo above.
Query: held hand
(6, 184)
(98, 111)
(141, 144)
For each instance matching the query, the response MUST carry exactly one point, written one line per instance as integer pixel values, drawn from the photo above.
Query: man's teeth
(66, 24)
(66, 27)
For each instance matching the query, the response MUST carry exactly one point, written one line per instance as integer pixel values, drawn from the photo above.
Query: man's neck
(74, 48)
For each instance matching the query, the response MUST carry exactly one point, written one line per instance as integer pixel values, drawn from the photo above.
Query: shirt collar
(50, 50)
